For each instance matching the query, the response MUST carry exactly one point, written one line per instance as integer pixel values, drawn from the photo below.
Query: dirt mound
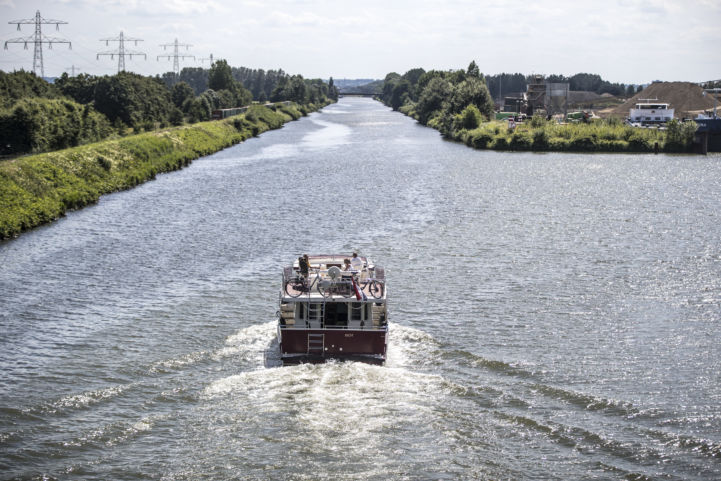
(578, 96)
(685, 97)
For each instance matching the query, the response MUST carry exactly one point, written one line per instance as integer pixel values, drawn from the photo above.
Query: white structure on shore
(651, 111)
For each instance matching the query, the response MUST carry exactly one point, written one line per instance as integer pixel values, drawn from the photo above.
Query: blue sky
(628, 41)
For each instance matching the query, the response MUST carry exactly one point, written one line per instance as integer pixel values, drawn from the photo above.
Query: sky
(626, 41)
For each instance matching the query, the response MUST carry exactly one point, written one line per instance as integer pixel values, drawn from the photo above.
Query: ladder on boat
(316, 344)
(315, 311)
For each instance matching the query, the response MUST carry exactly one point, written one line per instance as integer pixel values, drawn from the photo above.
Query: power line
(38, 39)
(121, 52)
(175, 55)
(202, 60)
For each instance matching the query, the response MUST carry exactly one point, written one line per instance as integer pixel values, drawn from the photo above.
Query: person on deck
(304, 265)
(356, 262)
(346, 265)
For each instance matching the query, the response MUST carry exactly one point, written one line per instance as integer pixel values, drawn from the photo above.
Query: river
(552, 316)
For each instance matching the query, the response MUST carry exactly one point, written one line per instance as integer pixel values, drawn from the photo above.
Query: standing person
(304, 265)
(356, 262)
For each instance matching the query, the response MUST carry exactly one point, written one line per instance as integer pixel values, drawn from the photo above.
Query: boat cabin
(329, 309)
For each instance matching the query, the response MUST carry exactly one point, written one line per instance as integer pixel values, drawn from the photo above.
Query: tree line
(459, 105)
(512, 83)
(440, 99)
(36, 116)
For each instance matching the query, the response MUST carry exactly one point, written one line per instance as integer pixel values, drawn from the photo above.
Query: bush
(39, 125)
(500, 142)
(540, 139)
(558, 144)
(480, 139)
(521, 140)
(469, 118)
(638, 143)
(583, 143)
(537, 121)
(176, 117)
(604, 145)
(679, 136)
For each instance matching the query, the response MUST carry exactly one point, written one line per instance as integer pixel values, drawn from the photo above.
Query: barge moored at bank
(651, 112)
(328, 311)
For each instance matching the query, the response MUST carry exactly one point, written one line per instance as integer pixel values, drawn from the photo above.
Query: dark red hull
(302, 345)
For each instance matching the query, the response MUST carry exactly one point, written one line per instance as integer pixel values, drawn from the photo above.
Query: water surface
(553, 316)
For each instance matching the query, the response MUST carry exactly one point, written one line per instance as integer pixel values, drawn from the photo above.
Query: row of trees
(507, 83)
(262, 84)
(36, 116)
(458, 104)
(441, 99)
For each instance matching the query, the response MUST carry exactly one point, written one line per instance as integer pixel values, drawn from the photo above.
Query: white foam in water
(82, 400)
(185, 360)
(338, 387)
(344, 398)
(275, 151)
(373, 124)
(407, 346)
(249, 343)
(339, 404)
(331, 134)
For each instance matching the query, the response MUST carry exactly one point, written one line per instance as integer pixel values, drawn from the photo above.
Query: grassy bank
(40, 188)
(538, 134)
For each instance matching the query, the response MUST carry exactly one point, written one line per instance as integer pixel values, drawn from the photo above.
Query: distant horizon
(369, 80)
(629, 42)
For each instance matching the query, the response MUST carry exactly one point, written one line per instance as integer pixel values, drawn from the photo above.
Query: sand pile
(686, 97)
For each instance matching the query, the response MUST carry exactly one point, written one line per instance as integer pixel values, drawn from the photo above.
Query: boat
(650, 111)
(329, 312)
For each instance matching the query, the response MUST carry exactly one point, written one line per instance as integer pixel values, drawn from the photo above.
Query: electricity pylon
(176, 55)
(121, 52)
(202, 60)
(38, 39)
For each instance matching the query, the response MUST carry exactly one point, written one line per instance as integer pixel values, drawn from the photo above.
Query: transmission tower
(202, 60)
(72, 70)
(121, 52)
(38, 39)
(176, 55)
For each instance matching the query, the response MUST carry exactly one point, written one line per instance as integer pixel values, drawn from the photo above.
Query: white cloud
(622, 40)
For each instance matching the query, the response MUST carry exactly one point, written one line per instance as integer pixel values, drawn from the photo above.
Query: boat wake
(349, 403)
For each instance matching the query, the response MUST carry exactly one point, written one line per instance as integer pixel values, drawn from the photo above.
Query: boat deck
(370, 280)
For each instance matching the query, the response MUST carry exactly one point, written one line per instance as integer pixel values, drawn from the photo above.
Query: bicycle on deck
(297, 285)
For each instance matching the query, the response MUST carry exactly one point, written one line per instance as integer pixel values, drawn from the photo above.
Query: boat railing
(369, 281)
(356, 326)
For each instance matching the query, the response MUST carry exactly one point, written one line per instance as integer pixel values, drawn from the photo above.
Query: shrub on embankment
(458, 104)
(36, 124)
(40, 188)
(540, 135)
